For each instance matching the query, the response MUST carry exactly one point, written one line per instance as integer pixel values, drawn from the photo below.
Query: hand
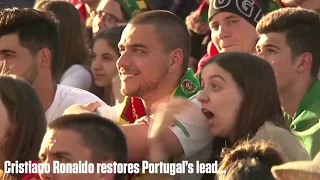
(81, 109)
(166, 112)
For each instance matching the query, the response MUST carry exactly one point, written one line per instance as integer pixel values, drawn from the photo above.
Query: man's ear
(44, 58)
(176, 59)
(304, 62)
(108, 175)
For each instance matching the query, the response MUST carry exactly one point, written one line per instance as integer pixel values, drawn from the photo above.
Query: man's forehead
(60, 139)
(275, 38)
(66, 143)
(10, 44)
(10, 40)
(139, 34)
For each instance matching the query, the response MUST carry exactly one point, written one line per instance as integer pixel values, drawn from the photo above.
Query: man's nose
(124, 60)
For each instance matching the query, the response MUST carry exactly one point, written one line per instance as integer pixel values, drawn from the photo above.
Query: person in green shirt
(289, 40)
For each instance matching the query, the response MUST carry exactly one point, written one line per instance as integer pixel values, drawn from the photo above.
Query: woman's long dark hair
(73, 36)
(261, 103)
(27, 121)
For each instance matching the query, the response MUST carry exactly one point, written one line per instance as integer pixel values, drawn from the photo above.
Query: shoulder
(76, 69)
(269, 128)
(271, 132)
(78, 96)
(286, 141)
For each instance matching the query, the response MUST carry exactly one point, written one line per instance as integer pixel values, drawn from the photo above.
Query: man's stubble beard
(146, 87)
(31, 73)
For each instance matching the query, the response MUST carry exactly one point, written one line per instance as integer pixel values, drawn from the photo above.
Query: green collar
(133, 7)
(312, 95)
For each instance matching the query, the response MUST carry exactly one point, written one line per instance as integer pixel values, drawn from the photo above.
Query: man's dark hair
(250, 160)
(35, 29)
(301, 28)
(171, 30)
(102, 136)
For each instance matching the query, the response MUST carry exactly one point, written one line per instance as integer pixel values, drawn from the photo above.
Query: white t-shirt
(67, 96)
(76, 76)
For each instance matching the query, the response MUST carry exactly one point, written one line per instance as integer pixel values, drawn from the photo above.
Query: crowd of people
(103, 81)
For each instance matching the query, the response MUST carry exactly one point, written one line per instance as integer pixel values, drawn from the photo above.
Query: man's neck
(152, 100)
(293, 95)
(160, 95)
(46, 93)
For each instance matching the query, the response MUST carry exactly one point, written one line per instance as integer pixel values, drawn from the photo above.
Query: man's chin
(229, 49)
(129, 92)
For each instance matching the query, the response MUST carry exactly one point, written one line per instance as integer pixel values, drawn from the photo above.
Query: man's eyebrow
(270, 46)
(3, 51)
(138, 46)
(134, 46)
(230, 17)
(61, 154)
(225, 19)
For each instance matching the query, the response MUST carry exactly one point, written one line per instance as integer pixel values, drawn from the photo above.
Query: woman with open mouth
(240, 99)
